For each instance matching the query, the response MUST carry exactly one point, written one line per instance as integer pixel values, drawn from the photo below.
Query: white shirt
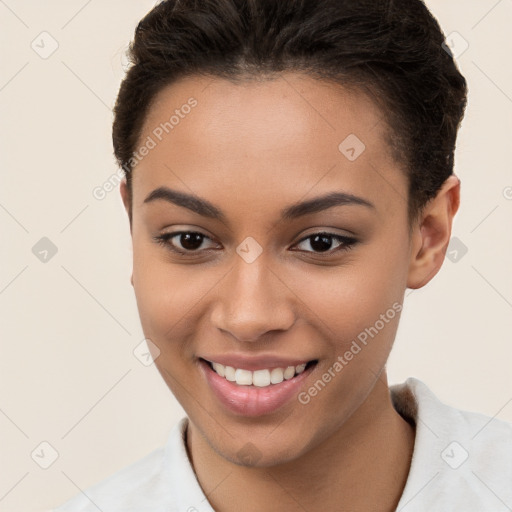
(462, 461)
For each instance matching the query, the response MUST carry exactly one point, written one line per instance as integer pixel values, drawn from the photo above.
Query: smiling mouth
(259, 378)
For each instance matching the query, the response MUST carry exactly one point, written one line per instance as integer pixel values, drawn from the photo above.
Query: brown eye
(190, 241)
(183, 242)
(327, 243)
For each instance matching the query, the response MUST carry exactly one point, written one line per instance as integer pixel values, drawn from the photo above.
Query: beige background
(69, 326)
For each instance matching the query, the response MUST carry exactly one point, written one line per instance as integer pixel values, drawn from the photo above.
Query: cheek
(358, 309)
(162, 294)
(168, 295)
(352, 297)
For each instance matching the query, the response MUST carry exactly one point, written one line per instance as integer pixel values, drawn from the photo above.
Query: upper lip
(255, 362)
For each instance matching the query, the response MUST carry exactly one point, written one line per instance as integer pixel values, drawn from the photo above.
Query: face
(229, 269)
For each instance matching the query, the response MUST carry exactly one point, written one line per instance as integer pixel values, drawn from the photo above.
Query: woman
(289, 174)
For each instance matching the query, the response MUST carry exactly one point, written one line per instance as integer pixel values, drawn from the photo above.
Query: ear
(125, 196)
(431, 234)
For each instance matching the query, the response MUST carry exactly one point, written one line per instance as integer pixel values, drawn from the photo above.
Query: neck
(362, 466)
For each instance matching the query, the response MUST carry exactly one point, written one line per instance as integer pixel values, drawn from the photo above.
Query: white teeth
(300, 368)
(219, 369)
(243, 377)
(261, 378)
(289, 372)
(229, 373)
(276, 376)
(258, 378)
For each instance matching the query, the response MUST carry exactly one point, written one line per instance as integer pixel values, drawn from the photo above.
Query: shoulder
(415, 400)
(461, 458)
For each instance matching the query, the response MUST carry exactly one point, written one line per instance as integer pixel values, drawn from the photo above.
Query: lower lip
(252, 400)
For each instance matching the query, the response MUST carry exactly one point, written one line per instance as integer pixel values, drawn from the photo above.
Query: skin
(252, 149)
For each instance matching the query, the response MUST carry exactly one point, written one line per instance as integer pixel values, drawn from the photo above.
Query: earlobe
(432, 232)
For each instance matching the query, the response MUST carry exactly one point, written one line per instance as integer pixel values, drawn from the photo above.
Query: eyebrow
(206, 209)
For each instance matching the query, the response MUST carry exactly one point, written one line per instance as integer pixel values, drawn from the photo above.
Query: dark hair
(392, 50)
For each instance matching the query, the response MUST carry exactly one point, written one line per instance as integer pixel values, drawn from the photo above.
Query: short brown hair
(391, 49)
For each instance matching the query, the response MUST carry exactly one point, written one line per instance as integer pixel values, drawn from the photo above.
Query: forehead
(291, 133)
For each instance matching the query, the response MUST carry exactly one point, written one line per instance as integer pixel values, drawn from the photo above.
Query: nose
(252, 301)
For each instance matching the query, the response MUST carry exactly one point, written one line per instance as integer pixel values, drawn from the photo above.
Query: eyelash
(347, 242)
